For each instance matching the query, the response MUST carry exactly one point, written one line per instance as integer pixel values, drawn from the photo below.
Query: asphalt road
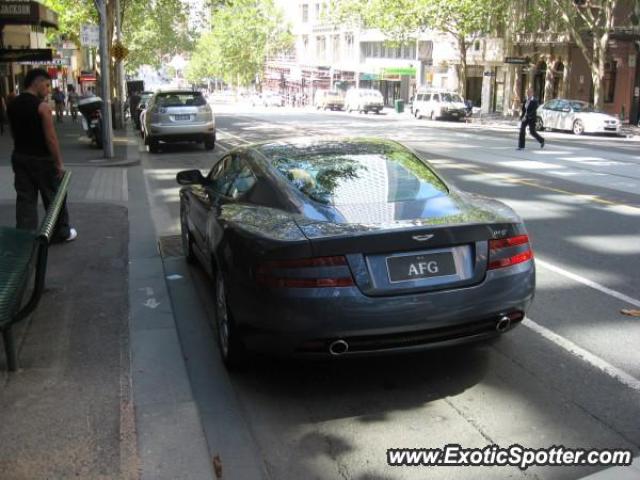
(569, 376)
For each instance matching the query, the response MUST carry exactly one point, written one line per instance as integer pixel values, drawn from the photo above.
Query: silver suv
(178, 116)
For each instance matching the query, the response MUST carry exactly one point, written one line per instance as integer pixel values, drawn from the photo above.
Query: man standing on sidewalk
(36, 160)
(528, 119)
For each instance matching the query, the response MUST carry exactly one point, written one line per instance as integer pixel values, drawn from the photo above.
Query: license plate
(416, 267)
(182, 117)
(454, 114)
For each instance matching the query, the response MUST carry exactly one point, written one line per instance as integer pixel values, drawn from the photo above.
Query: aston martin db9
(347, 247)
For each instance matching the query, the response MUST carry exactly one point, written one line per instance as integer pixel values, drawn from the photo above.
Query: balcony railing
(543, 37)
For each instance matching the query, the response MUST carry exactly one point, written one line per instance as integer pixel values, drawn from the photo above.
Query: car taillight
(499, 257)
(300, 274)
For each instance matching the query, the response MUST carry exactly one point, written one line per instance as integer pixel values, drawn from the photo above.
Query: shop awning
(27, 13)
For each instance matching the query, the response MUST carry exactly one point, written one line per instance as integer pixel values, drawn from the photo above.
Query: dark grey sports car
(351, 247)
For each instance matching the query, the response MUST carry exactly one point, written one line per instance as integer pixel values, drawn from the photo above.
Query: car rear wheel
(154, 145)
(231, 348)
(432, 116)
(539, 124)
(210, 142)
(578, 127)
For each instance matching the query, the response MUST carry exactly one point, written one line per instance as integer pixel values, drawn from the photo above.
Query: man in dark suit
(528, 118)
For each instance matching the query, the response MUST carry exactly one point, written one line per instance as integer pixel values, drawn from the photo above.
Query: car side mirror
(190, 177)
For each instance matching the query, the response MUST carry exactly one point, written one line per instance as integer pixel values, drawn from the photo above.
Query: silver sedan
(576, 116)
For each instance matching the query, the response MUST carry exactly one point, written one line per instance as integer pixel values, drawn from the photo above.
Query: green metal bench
(21, 252)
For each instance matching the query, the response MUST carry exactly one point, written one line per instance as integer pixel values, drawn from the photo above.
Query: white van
(433, 104)
(328, 99)
(363, 100)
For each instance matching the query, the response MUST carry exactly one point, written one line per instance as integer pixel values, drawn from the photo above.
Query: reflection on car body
(351, 247)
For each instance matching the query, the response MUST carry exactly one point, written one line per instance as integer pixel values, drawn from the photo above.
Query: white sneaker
(73, 234)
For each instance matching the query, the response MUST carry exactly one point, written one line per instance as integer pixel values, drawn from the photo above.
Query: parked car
(350, 247)
(435, 103)
(363, 100)
(178, 116)
(142, 105)
(267, 99)
(328, 99)
(577, 116)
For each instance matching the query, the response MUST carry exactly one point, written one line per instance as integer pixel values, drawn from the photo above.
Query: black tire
(232, 350)
(210, 143)
(432, 116)
(154, 145)
(185, 234)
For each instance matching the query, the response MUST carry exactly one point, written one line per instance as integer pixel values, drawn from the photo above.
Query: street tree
(243, 34)
(151, 30)
(590, 24)
(464, 20)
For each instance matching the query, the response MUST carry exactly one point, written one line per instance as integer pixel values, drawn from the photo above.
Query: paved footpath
(102, 391)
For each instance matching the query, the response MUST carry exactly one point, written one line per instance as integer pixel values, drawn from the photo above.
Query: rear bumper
(303, 322)
(177, 132)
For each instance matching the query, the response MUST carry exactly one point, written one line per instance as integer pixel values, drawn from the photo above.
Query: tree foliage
(152, 30)
(465, 20)
(244, 33)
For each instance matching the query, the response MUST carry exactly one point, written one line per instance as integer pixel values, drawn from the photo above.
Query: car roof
(179, 92)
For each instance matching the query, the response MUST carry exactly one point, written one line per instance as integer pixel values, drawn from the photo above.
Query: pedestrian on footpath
(36, 160)
(528, 119)
(58, 98)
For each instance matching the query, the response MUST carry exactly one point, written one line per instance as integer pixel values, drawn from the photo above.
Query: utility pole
(107, 125)
(119, 67)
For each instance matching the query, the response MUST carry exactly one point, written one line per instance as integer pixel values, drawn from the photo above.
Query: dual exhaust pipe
(340, 346)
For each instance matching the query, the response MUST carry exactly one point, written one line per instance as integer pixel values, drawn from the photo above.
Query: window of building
(476, 46)
(336, 47)
(305, 42)
(317, 11)
(321, 47)
(609, 81)
(305, 13)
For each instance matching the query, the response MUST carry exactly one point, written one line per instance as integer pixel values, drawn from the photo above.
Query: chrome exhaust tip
(338, 347)
(503, 324)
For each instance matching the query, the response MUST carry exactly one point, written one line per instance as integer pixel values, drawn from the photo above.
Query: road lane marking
(509, 179)
(234, 136)
(589, 283)
(588, 357)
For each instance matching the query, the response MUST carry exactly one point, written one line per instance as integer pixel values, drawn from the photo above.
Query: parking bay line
(585, 355)
(589, 283)
(234, 136)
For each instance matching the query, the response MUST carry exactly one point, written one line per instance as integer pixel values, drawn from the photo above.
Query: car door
(563, 118)
(546, 113)
(434, 106)
(205, 199)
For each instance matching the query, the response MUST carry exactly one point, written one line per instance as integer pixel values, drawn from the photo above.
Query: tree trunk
(462, 77)
(549, 78)
(597, 68)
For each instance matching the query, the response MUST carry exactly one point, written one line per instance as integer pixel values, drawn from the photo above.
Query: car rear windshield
(181, 99)
(346, 173)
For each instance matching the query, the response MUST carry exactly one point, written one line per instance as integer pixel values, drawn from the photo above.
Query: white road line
(584, 355)
(233, 136)
(589, 283)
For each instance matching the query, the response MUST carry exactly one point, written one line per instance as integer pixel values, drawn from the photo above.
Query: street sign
(517, 60)
(410, 71)
(489, 74)
(10, 55)
(90, 35)
(58, 62)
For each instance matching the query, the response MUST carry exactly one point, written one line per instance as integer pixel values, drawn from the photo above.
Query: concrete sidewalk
(102, 391)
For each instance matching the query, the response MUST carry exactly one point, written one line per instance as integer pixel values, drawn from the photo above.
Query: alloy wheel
(578, 127)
